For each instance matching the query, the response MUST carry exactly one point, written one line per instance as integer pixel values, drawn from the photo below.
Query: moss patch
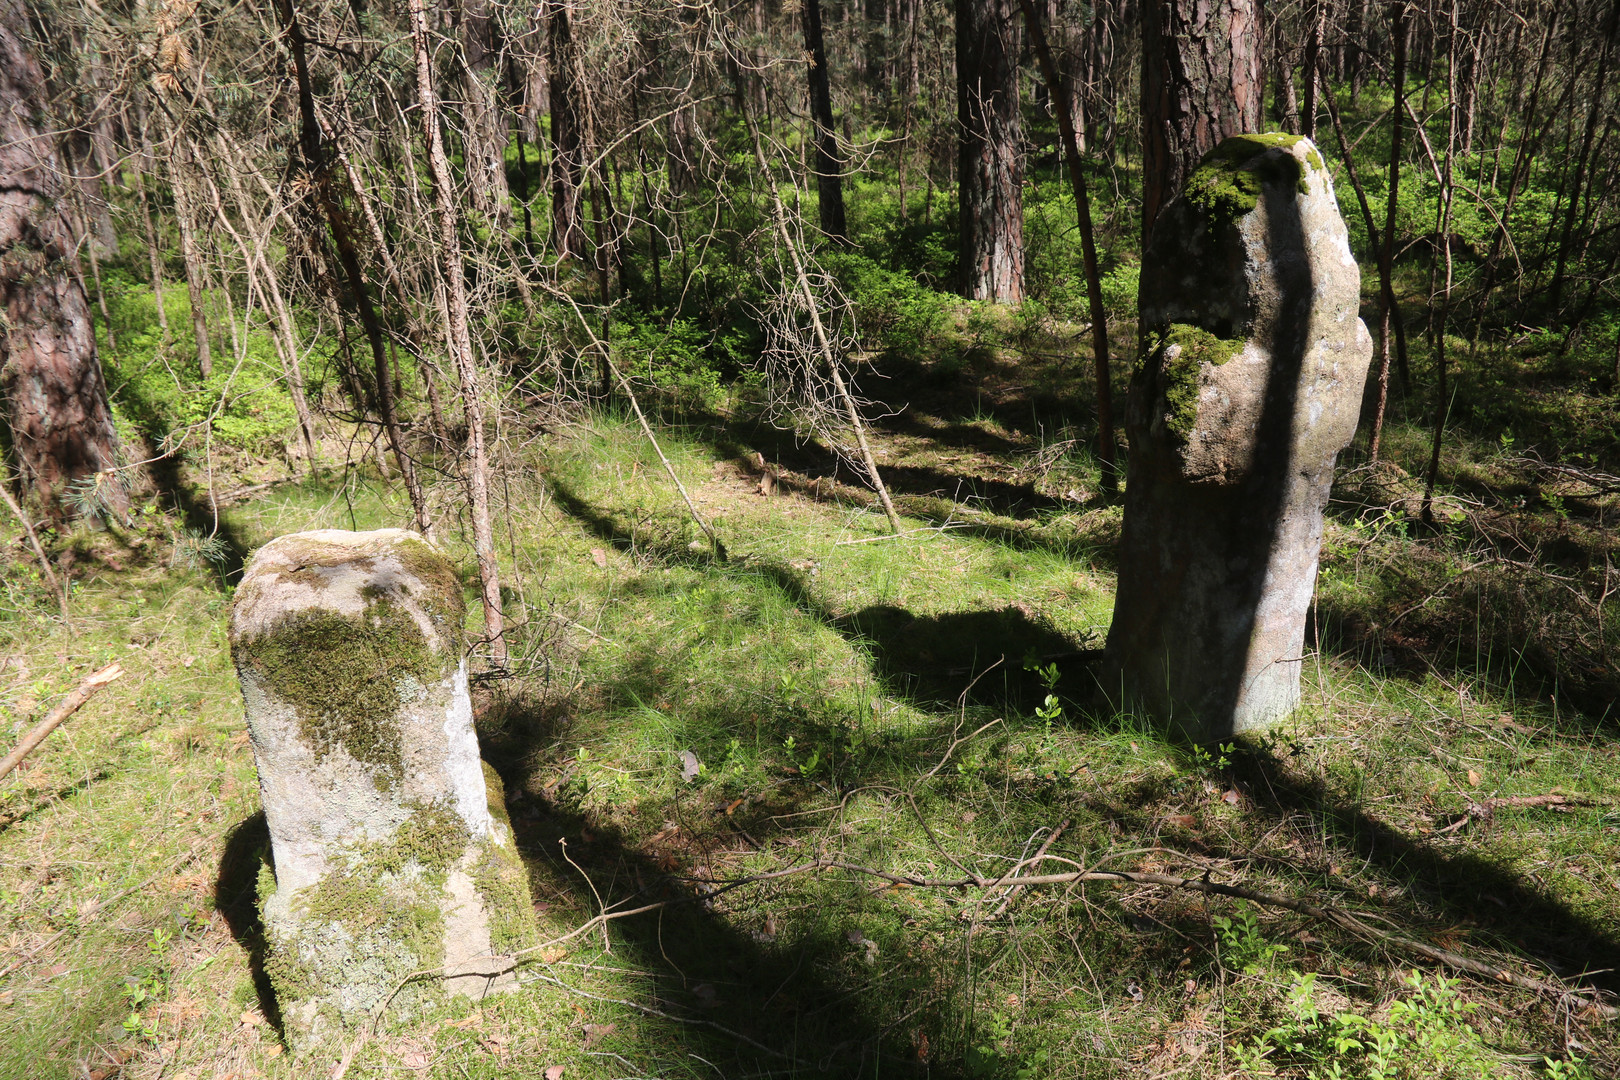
(348, 677)
(1197, 347)
(503, 881)
(373, 919)
(1226, 185)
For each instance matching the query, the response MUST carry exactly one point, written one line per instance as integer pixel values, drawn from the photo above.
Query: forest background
(762, 362)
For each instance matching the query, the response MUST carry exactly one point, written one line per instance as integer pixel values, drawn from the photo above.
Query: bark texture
(61, 426)
(567, 144)
(990, 150)
(1202, 81)
(829, 165)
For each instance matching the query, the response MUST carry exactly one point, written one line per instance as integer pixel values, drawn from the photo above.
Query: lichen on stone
(347, 678)
(376, 916)
(1226, 185)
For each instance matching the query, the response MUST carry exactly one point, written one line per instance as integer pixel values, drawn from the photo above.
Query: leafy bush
(1427, 1035)
(891, 309)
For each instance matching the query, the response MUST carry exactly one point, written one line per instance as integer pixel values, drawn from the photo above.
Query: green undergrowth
(918, 705)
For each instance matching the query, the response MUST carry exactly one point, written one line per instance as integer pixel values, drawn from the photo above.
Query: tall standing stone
(392, 850)
(1251, 386)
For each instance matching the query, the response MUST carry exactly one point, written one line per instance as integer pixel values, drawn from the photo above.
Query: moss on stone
(502, 880)
(442, 596)
(376, 916)
(1195, 347)
(348, 677)
(433, 837)
(1226, 185)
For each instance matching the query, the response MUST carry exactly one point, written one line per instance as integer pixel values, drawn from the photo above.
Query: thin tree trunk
(567, 152)
(195, 284)
(1599, 89)
(829, 163)
(152, 252)
(1088, 245)
(1398, 27)
(1313, 63)
(990, 152)
(1386, 292)
(458, 339)
(318, 161)
(1442, 405)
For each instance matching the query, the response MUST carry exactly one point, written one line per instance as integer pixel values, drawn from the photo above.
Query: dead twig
(51, 579)
(1012, 893)
(67, 708)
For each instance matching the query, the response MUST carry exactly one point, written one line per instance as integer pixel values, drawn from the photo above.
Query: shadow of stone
(1467, 888)
(236, 897)
(973, 656)
(783, 1008)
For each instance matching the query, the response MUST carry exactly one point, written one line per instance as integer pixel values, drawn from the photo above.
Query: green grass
(820, 682)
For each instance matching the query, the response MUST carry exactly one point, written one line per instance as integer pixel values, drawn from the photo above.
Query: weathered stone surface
(392, 851)
(1250, 388)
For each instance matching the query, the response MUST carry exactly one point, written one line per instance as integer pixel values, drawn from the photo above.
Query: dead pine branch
(67, 708)
(829, 355)
(458, 338)
(52, 582)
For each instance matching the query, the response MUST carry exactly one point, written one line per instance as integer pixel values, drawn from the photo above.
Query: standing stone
(392, 849)
(1250, 387)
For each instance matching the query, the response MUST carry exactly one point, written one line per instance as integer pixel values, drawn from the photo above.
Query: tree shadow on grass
(929, 660)
(1467, 888)
(176, 494)
(733, 990)
(932, 660)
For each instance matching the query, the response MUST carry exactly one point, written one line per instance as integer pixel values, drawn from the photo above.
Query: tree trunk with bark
(458, 338)
(829, 164)
(1202, 80)
(990, 151)
(567, 147)
(61, 427)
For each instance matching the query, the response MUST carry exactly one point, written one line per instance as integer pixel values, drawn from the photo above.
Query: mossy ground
(820, 681)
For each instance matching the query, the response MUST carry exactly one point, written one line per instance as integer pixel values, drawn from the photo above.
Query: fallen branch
(1485, 809)
(51, 579)
(1012, 893)
(67, 708)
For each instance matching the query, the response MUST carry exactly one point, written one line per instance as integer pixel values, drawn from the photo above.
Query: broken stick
(67, 708)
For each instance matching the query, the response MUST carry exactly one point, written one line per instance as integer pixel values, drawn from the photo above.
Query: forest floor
(915, 705)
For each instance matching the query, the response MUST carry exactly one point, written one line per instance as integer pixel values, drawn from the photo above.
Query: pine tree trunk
(1202, 81)
(829, 163)
(567, 149)
(61, 427)
(990, 151)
